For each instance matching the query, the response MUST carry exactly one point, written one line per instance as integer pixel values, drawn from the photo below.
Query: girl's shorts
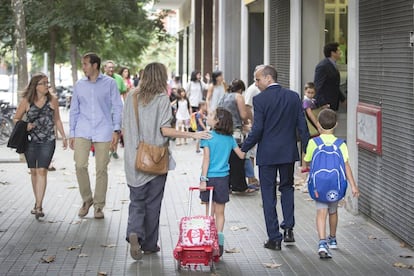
(39, 155)
(220, 192)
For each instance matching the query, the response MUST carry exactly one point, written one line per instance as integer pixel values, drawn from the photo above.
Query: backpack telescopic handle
(210, 199)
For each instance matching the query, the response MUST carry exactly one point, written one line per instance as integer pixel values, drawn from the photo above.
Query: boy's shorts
(332, 207)
(220, 192)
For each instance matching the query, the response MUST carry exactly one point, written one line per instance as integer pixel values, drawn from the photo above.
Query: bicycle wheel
(6, 128)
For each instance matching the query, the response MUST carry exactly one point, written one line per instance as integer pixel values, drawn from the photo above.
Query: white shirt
(195, 92)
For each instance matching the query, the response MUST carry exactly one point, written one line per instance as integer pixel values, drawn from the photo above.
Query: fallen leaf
(235, 228)
(123, 201)
(372, 237)
(108, 245)
(116, 210)
(72, 187)
(101, 273)
(48, 259)
(40, 250)
(403, 245)
(232, 250)
(272, 265)
(70, 248)
(406, 256)
(76, 222)
(4, 182)
(402, 265)
(54, 221)
(83, 255)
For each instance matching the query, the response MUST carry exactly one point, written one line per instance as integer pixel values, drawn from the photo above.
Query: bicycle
(6, 128)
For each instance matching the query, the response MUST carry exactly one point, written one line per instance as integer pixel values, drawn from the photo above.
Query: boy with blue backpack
(329, 173)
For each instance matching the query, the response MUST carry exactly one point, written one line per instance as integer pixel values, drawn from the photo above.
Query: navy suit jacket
(327, 80)
(278, 118)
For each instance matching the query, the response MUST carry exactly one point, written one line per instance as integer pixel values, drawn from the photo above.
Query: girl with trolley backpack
(215, 167)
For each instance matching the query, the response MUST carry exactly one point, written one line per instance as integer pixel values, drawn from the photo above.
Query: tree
(117, 30)
(20, 38)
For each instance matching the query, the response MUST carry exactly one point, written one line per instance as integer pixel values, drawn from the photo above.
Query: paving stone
(364, 247)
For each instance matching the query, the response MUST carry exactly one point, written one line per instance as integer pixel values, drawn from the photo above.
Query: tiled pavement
(88, 246)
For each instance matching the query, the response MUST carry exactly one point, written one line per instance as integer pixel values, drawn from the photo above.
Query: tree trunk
(74, 61)
(52, 55)
(21, 47)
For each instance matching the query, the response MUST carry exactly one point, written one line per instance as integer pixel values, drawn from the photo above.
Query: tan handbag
(151, 159)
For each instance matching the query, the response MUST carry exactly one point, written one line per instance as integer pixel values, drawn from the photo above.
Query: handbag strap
(135, 97)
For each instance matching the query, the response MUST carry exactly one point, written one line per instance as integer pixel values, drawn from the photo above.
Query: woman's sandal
(33, 211)
(254, 187)
(39, 213)
(249, 191)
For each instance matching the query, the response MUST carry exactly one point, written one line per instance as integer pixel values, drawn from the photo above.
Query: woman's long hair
(121, 72)
(153, 82)
(237, 85)
(215, 75)
(30, 91)
(194, 75)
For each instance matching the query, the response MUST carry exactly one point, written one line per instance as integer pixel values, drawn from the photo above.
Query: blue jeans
(268, 176)
(248, 168)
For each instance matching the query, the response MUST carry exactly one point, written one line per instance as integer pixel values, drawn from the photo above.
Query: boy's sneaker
(323, 250)
(332, 242)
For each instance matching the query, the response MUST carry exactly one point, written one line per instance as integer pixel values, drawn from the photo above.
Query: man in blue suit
(278, 117)
(327, 78)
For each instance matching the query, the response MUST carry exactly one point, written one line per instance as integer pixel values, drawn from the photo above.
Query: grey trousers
(144, 212)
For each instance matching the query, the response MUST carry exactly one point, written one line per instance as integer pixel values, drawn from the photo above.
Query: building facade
(376, 38)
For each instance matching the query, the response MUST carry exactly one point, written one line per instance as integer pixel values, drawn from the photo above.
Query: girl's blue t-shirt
(220, 147)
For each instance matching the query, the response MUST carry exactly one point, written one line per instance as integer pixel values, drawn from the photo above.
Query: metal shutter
(386, 79)
(279, 40)
(232, 40)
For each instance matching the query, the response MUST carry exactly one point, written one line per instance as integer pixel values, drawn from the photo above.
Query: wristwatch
(203, 178)
(117, 131)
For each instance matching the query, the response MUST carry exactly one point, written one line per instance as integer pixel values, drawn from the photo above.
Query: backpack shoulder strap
(318, 141)
(338, 142)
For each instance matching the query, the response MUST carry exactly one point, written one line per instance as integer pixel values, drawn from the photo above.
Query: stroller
(198, 240)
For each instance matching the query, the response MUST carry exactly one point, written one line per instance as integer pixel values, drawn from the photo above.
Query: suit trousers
(81, 156)
(268, 175)
(144, 212)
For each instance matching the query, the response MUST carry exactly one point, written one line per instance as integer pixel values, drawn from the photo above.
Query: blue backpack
(327, 180)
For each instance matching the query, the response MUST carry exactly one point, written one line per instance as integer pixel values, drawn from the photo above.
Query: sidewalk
(88, 246)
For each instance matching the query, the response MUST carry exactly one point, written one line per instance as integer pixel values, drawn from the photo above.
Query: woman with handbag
(42, 111)
(147, 128)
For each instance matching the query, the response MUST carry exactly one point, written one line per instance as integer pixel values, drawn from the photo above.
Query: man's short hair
(268, 70)
(109, 61)
(327, 118)
(93, 58)
(329, 48)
